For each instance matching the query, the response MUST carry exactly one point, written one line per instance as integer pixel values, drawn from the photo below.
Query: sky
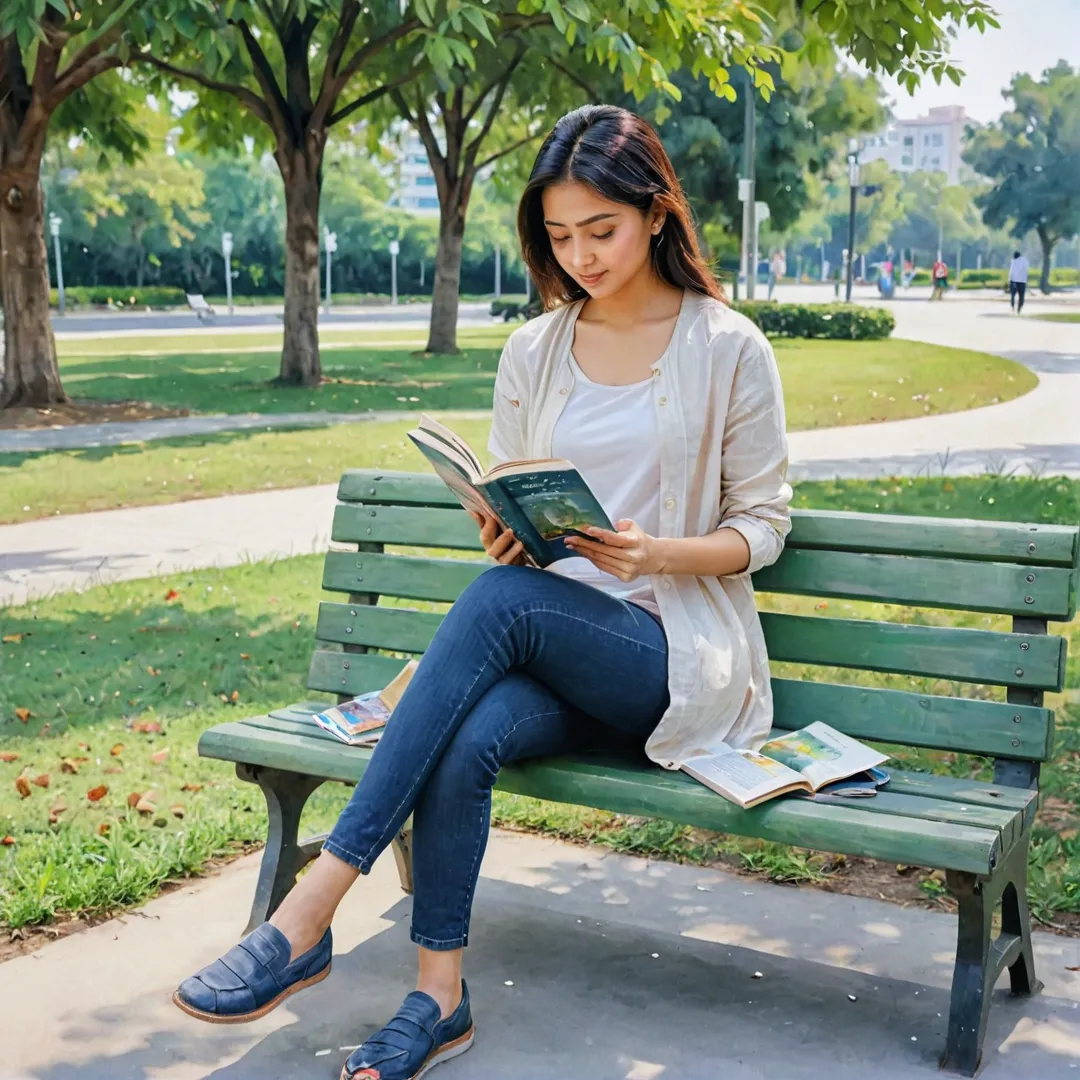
(1034, 35)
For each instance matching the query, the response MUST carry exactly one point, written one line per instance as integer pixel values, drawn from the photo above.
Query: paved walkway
(582, 964)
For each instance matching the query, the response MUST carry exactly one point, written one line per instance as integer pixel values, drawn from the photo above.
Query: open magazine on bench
(362, 721)
(799, 762)
(541, 501)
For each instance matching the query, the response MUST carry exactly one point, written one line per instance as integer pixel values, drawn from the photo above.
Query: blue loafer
(253, 977)
(415, 1041)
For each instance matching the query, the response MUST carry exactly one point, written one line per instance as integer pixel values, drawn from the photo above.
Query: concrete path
(582, 964)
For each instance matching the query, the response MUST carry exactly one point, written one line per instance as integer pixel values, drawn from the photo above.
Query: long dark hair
(620, 156)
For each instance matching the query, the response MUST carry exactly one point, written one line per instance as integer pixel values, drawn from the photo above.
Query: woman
(670, 405)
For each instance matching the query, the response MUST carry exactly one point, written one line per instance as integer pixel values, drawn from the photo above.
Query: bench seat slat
(628, 787)
(884, 534)
(979, 656)
(962, 725)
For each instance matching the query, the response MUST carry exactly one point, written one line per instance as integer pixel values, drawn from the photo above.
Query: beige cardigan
(723, 463)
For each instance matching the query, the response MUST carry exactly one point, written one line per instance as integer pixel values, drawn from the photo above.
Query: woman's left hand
(627, 554)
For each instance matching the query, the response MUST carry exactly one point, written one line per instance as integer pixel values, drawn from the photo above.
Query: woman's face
(601, 244)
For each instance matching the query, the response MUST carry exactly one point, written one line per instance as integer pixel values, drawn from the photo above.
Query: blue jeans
(526, 663)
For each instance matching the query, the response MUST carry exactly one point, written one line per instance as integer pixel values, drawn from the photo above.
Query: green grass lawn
(111, 688)
(1060, 316)
(825, 382)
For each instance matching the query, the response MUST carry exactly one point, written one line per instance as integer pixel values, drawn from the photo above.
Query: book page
(453, 475)
(821, 754)
(741, 775)
(452, 439)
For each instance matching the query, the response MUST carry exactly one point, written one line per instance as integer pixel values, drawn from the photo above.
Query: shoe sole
(437, 1057)
(244, 1018)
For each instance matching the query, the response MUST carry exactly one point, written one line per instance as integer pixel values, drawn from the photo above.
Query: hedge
(119, 296)
(846, 322)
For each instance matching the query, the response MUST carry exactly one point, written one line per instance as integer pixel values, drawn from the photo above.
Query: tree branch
(509, 150)
(368, 98)
(349, 14)
(249, 98)
(398, 98)
(427, 135)
(264, 74)
(473, 147)
(572, 76)
(375, 45)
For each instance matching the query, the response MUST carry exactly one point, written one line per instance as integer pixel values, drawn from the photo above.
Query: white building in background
(931, 143)
(416, 184)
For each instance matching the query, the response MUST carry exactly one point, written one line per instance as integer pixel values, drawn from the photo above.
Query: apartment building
(930, 143)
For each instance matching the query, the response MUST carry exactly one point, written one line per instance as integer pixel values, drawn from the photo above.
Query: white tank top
(610, 434)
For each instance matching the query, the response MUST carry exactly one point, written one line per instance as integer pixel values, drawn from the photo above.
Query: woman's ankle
(439, 977)
(447, 994)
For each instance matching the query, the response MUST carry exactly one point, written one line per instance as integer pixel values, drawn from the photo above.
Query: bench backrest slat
(1004, 568)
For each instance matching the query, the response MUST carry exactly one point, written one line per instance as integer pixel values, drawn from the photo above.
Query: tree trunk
(300, 363)
(442, 332)
(29, 374)
(1047, 250)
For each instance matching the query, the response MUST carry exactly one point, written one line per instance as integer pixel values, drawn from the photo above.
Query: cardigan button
(564, 391)
(663, 401)
(669, 503)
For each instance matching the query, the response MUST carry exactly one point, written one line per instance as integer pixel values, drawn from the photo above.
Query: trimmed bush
(119, 296)
(843, 322)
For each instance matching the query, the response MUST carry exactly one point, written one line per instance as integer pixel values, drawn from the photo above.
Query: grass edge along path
(103, 797)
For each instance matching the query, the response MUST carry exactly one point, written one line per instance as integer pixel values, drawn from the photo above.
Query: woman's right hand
(499, 543)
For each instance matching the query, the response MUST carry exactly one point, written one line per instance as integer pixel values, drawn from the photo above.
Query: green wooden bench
(976, 832)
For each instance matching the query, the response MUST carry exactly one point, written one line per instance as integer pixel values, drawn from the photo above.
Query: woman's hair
(620, 156)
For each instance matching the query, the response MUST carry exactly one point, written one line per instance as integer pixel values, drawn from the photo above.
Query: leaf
(159, 757)
(133, 799)
(68, 766)
(113, 770)
(151, 670)
(172, 594)
(245, 656)
(8, 755)
(8, 841)
(192, 787)
(234, 696)
(22, 786)
(117, 750)
(147, 727)
(41, 780)
(23, 714)
(177, 810)
(96, 794)
(12, 639)
(148, 803)
(57, 809)
(84, 746)
(103, 829)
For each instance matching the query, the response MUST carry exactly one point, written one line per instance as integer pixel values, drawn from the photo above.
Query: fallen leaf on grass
(112, 770)
(117, 750)
(172, 594)
(133, 798)
(245, 656)
(96, 794)
(192, 787)
(103, 829)
(148, 803)
(22, 786)
(57, 809)
(234, 696)
(177, 810)
(23, 714)
(159, 757)
(68, 766)
(84, 746)
(12, 639)
(147, 727)
(7, 755)
(151, 670)
(41, 780)
(8, 841)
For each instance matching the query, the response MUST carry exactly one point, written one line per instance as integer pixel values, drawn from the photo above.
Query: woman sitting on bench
(670, 405)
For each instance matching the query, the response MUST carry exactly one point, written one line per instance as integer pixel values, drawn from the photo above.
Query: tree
(1032, 155)
(57, 68)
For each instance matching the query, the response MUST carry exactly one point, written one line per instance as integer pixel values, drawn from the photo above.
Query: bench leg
(403, 855)
(981, 958)
(284, 855)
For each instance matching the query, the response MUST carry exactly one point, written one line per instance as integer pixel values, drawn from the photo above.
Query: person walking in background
(1018, 275)
(777, 269)
(939, 275)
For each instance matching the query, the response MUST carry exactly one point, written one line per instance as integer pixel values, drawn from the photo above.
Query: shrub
(120, 296)
(847, 322)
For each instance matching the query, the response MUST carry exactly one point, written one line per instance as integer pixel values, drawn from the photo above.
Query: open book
(362, 721)
(801, 761)
(540, 501)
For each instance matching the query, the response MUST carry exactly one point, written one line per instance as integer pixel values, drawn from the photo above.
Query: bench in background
(197, 303)
(977, 832)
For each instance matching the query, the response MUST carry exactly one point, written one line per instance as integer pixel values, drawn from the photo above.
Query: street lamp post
(226, 250)
(395, 247)
(498, 273)
(54, 229)
(853, 179)
(746, 187)
(330, 244)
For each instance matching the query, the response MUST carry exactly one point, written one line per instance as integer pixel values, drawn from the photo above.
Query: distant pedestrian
(1018, 275)
(939, 275)
(777, 269)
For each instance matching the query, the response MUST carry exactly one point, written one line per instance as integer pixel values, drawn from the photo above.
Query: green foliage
(844, 322)
(113, 296)
(1032, 155)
